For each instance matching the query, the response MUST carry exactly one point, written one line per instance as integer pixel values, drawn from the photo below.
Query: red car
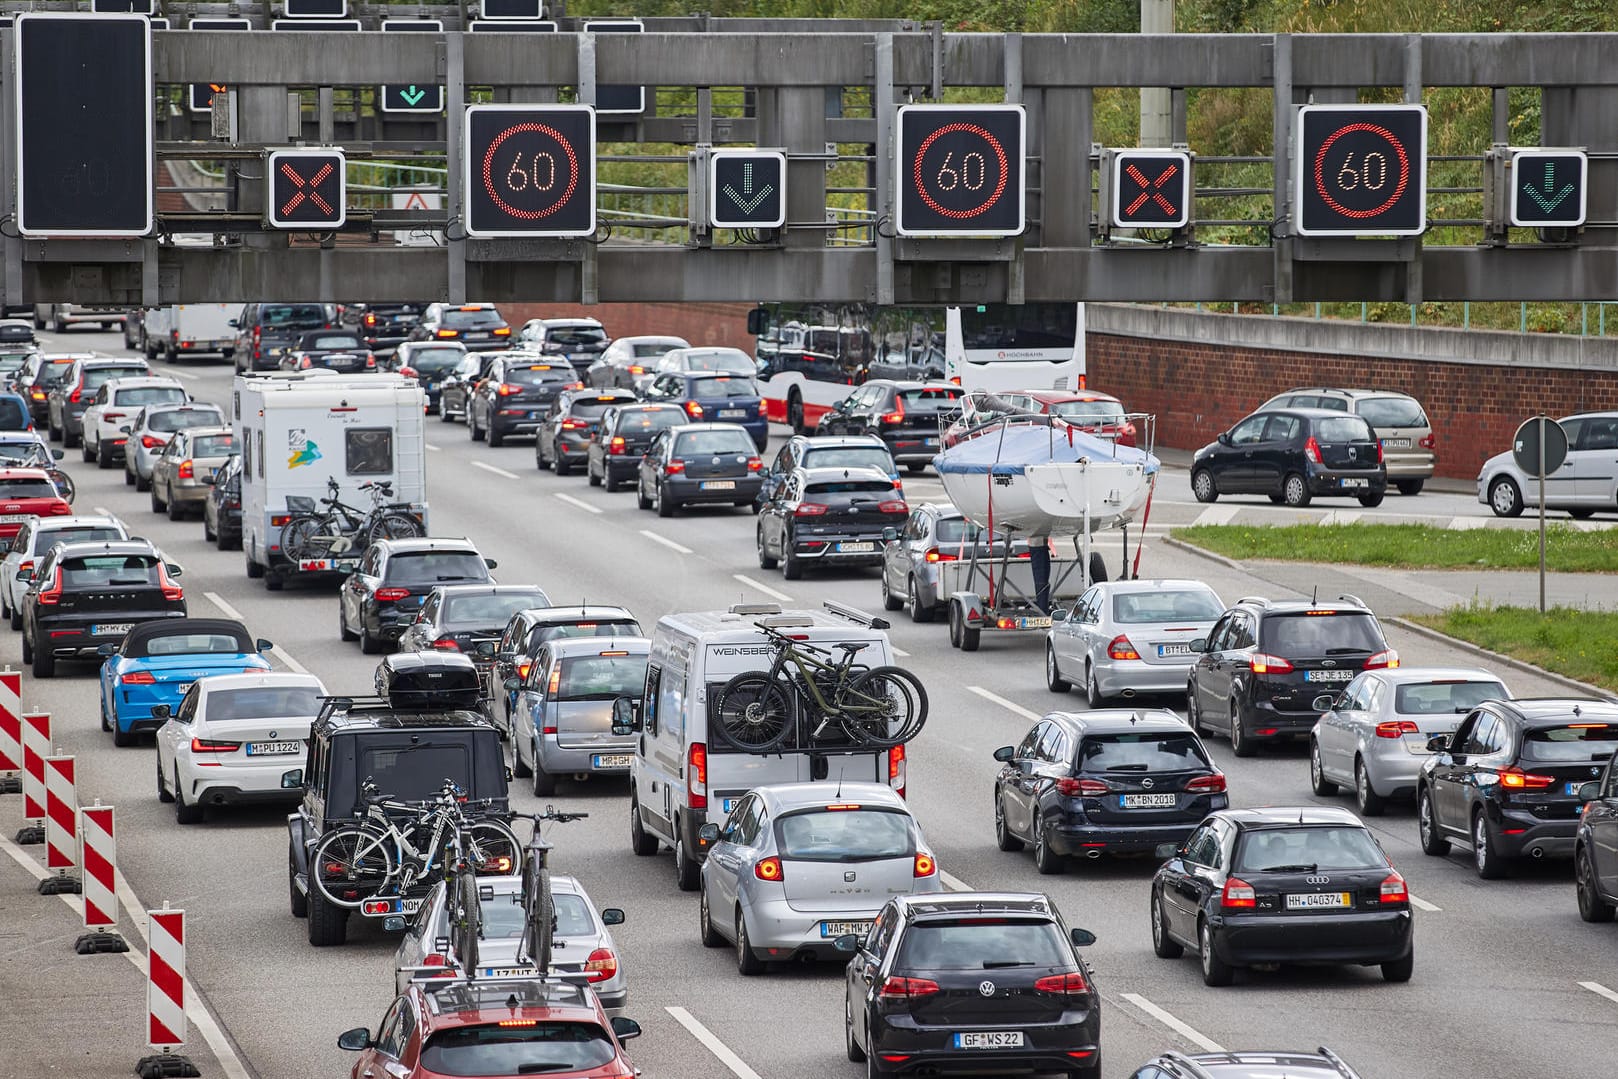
(26, 491)
(1100, 414)
(497, 1028)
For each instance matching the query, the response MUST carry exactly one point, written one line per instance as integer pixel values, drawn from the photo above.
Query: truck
(60, 316)
(183, 329)
(299, 434)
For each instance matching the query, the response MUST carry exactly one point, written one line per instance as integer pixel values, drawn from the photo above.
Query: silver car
(1374, 738)
(562, 722)
(1127, 637)
(150, 430)
(1587, 480)
(935, 532)
(581, 941)
(798, 865)
(29, 545)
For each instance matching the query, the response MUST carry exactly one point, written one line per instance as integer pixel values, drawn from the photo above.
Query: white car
(115, 405)
(1586, 482)
(232, 739)
(33, 539)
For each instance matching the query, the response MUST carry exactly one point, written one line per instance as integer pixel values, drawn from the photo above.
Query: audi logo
(1317, 880)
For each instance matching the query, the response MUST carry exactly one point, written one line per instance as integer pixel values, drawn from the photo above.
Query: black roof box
(428, 680)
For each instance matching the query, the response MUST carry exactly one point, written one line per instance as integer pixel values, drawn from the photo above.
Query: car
(60, 317)
(702, 360)
(231, 738)
(456, 388)
(383, 326)
(35, 380)
(331, 350)
(797, 865)
(158, 660)
(565, 437)
(1508, 782)
(1283, 885)
(1373, 739)
(380, 599)
(181, 473)
(1122, 638)
(1409, 446)
(468, 618)
(17, 332)
(28, 492)
(1595, 847)
(561, 719)
(577, 340)
(698, 463)
(495, 1027)
(126, 580)
(934, 533)
(628, 359)
(971, 981)
(222, 508)
(728, 399)
(529, 630)
(114, 405)
(478, 326)
(67, 400)
(828, 517)
(1270, 668)
(1294, 456)
(36, 536)
(906, 416)
(28, 449)
(1586, 483)
(1110, 781)
(150, 431)
(1100, 414)
(584, 948)
(266, 331)
(517, 392)
(15, 414)
(826, 451)
(430, 363)
(1246, 1064)
(626, 433)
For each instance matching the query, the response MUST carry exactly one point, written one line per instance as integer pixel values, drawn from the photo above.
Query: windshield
(983, 943)
(850, 834)
(1310, 846)
(538, 374)
(148, 395)
(714, 442)
(262, 702)
(1095, 412)
(734, 362)
(1319, 634)
(433, 360)
(96, 377)
(1571, 742)
(1158, 751)
(293, 316)
(1392, 412)
(600, 678)
(650, 419)
(435, 567)
(213, 446)
(576, 336)
(1004, 327)
(541, 634)
(12, 361)
(1445, 698)
(414, 771)
(332, 341)
(1343, 429)
(490, 609)
(503, 916)
(479, 316)
(1178, 605)
(513, 1050)
(194, 644)
(849, 457)
(29, 488)
(180, 420)
(705, 388)
(97, 571)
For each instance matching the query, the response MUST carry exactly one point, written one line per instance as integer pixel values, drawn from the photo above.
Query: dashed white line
(1184, 1030)
(766, 589)
(495, 469)
(900, 652)
(1600, 990)
(1422, 904)
(665, 541)
(102, 511)
(953, 883)
(1011, 706)
(576, 503)
(219, 601)
(711, 1041)
(432, 448)
(286, 659)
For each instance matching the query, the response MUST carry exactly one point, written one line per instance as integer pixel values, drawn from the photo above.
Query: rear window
(333, 341)
(851, 487)
(704, 388)
(1176, 605)
(590, 408)
(1392, 412)
(482, 316)
(263, 702)
(195, 644)
(714, 442)
(180, 421)
(436, 359)
(148, 395)
(1087, 412)
(40, 488)
(13, 413)
(503, 916)
(575, 336)
(24, 453)
(76, 535)
(1169, 751)
(96, 377)
(214, 446)
(435, 567)
(1445, 698)
(845, 835)
(414, 771)
(293, 315)
(849, 457)
(1310, 847)
(94, 571)
(494, 609)
(52, 372)
(541, 634)
(650, 420)
(538, 374)
(1571, 742)
(650, 352)
(737, 363)
(1336, 633)
(539, 1049)
(600, 678)
(959, 531)
(930, 399)
(983, 943)
(1343, 429)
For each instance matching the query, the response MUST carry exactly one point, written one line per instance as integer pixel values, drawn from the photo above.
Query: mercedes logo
(986, 988)
(1148, 782)
(1317, 880)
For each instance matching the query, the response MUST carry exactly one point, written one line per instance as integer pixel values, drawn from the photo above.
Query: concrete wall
(698, 323)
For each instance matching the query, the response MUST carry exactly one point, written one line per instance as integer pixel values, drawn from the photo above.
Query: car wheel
(1215, 971)
(642, 844)
(295, 899)
(143, 483)
(1400, 970)
(87, 453)
(1317, 773)
(342, 625)
(1427, 826)
(1409, 487)
(1203, 486)
(687, 872)
(1053, 676)
(890, 602)
(1490, 863)
(705, 931)
(518, 767)
(1047, 861)
(1002, 835)
(1239, 743)
(208, 532)
(328, 923)
(163, 794)
(27, 648)
(746, 962)
(129, 478)
(1193, 714)
(158, 505)
(851, 1048)
(1295, 490)
(1372, 500)
(1163, 945)
(559, 462)
(767, 560)
(544, 782)
(609, 484)
(1370, 802)
(1092, 688)
(1581, 515)
(666, 505)
(791, 565)
(121, 738)
(1504, 498)
(919, 611)
(590, 476)
(1592, 908)
(184, 812)
(640, 496)
(255, 570)
(176, 510)
(44, 663)
(472, 427)
(369, 644)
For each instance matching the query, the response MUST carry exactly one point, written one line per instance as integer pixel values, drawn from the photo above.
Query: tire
(88, 454)
(906, 700)
(343, 632)
(687, 871)
(143, 483)
(1215, 971)
(69, 439)
(297, 537)
(1490, 864)
(393, 525)
(916, 466)
(123, 739)
(1581, 515)
(129, 478)
(1370, 802)
(1427, 826)
(1317, 773)
(1295, 490)
(666, 506)
(1047, 861)
(608, 484)
(769, 561)
(1239, 743)
(641, 501)
(1400, 970)
(791, 564)
(44, 663)
(890, 602)
(919, 612)
(496, 439)
(1092, 691)
(1371, 501)
(705, 931)
(208, 533)
(349, 865)
(472, 427)
(297, 900)
(1163, 945)
(851, 1048)
(176, 510)
(1275, 499)
(591, 478)
(369, 644)
(158, 505)
(1504, 498)
(466, 923)
(184, 812)
(1203, 487)
(641, 843)
(1002, 835)
(747, 963)
(795, 415)
(560, 463)
(1409, 487)
(544, 782)
(753, 713)
(163, 794)
(518, 768)
(27, 649)
(1592, 908)
(16, 618)
(328, 924)
(1098, 568)
(1053, 675)
(255, 570)
(493, 839)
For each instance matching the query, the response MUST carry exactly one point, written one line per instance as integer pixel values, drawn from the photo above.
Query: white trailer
(188, 329)
(299, 432)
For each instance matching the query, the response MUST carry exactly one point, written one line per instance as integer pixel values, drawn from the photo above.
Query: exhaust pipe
(580, 777)
(1127, 694)
(1092, 854)
(1537, 852)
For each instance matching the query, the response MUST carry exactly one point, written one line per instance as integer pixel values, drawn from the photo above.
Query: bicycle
(875, 707)
(357, 862)
(539, 908)
(341, 528)
(464, 908)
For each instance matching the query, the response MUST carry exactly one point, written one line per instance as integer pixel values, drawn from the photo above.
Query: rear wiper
(1347, 651)
(129, 580)
(1126, 768)
(1300, 867)
(457, 577)
(1000, 964)
(542, 1066)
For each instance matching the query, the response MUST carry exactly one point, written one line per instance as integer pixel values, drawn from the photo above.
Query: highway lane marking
(279, 653)
(665, 541)
(1600, 990)
(495, 469)
(576, 503)
(1216, 515)
(1339, 517)
(102, 511)
(433, 448)
(219, 601)
(711, 1041)
(1463, 524)
(762, 587)
(954, 883)
(1168, 1019)
(1011, 706)
(1422, 904)
(286, 658)
(900, 652)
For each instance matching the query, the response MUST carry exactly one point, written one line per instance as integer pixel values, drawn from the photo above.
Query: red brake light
(894, 505)
(601, 965)
(694, 409)
(448, 333)
(447, 644)
(112, 415)
(370, 319)
(152, 442)
(137, 678)
(636, 369)
(897, 769)
(925, 866)
(370, 359)
(518, 1023)
(754, 464)
(1518, 779)
(1264, 663)
(1311, 448)
(408, 372)
(897, 415)
(769, 869)
(523, 668)
(1082, 788)
(1238, 894)
(53, 594)
(1214, 784)
(1073, 984)
(675, 467)
(574, 425)
(1394, 889)
(506, 389)
(696, 776)
(502, 331)
(1120, 648)
(389, 595)
(1385, 658)
(434, 959)
(1396, 728)
(78, 392)
(206, 745)
(553, 685)
(809, 509)
(172, 592)
(906, 988)
(617, 446)
(939, 556)
(1429, 442)
(187, 471)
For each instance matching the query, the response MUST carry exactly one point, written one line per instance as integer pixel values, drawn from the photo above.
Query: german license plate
(1327, 676)
(477, 336)
(856, 548)
(1572, 789)
(1173, 650)
(989, 1039)
(1319, 900)
(725, 804)
(611, 760)
(732, 413)
(1040, 622)
(504, 972)
(12, 518)
(410, 906)
(1147, 801)
(934, 442)
(327, 565)
(1351, 482)
(1396, 443)
(839, 929)
(718, 485)
(107, 629)
(270, 749)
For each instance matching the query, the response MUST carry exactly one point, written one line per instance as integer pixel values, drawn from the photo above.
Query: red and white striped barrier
(165, 980)
(36, 746)
(61, 808)
(98, 854)
(10, 730)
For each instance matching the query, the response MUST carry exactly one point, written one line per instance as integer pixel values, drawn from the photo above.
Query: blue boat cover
(1006, 452)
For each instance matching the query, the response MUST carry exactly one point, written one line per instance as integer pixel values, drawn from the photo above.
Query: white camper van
(299, 432)
(679, 778)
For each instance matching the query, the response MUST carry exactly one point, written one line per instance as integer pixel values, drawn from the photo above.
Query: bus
(997, 347)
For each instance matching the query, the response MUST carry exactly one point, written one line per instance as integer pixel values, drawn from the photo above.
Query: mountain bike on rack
(539, 908)
(341, 529)
(464, 908)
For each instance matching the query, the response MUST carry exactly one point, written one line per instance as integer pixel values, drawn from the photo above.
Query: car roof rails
(1338, 1062)
(1183, 1065)
(1348, 597)
(1257, 601)
(855, 615)
(755, 608)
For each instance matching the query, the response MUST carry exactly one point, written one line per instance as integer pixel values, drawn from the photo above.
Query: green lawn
(1413, 546)
(1575, 643)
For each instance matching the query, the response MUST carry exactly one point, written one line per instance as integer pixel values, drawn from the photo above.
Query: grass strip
(1568, 641)
(1411, 546)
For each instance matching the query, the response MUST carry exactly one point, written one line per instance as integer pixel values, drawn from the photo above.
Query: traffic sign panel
(411, 98)
(308, 189)
(511, 9)
(511, 26)
(314, 9)
(530, 170)
(199, 97)
(1151, 188)
(1360, 170)
(1535, 432)
(1548, 188)
(961, 170)
(614, 99)
(747, 189)
(91, 75)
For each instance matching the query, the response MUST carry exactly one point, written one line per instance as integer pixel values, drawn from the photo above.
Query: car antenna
(1314, 595)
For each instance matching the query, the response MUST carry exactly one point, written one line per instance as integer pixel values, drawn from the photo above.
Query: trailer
(187, 329)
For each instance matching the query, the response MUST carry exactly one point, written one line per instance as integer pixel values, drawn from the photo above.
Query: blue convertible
(158, 661)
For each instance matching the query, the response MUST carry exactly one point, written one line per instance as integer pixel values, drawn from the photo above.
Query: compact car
(715, 398)
(563, 441)
(380, 599)
(529, 630)
(150, 431)
(1586, 482)
(826, 451)
(478, 326)
(1409, 446)
(629, 359)
(626, 433)
(182, 474)
(698, 463)
(906, 416)
(1122, 638)
(561, 723)
(935, 533)
(1293, 456)
(823, 517)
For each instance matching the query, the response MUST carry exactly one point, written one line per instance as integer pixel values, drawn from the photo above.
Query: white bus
(1035, 346)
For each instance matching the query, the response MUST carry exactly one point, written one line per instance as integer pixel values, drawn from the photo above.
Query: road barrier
(165, 997)
(98, 857)
(36, 746)
(10, 731)
(61, 825)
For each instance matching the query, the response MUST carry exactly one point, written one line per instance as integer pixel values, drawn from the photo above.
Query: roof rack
(855, 615)
(1338, 1062)
(786, 621)
(1183, 1065)
(755, 608)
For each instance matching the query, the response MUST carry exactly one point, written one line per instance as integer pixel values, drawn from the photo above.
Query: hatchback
(182, 474)
(564, 439)
(827, 451)
(516, 393)
(25, 493)
(38, 377)
(1595, 849)
(1293, 456)
(526, 634)
(478, 326)
(627, 431)
(383, 596)
(828, 517)
(628, 360)
(1127, 637)
(906, 416)
(1247, 1064)
(715, 398)
(702, 360)
(698, 463)
(115, 404)
(429, 363)
(1409, 446)
(150, 431)
(1586, 482)
(935, 534)
(561, 724)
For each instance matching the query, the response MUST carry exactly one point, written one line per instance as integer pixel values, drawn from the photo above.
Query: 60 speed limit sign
(961, 170)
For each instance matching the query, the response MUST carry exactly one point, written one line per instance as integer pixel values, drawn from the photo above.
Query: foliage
(1413, 546)
(1574, 643)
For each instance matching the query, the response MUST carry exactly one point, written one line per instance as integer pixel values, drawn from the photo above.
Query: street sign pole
(1541, 427)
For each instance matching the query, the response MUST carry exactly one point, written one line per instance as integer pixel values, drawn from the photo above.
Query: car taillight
(769, 869)
(694, 409)
(77, 393)
(675, 467)
(187, 471)
(636, 369)
(896, 416)
(502, 331)
(172, 592)
(522, 669)
(925, 866)
(408, 372)
(755, 464)
(574, 425)
(939, 556)
(1239, 894)
(506, 389)
(897, 769)
(38, 395)
(24, 566)
(906, 988)
(1379, 457)
(601, 965)
(1082, 788)
(370, 359)
(1311, 449)
(1396, 728)
(137, 678)
(152, 442)
(1263, 663)
(208, 745)
(305, 363)
(112, 415)
(52, 594)
(434, 959)
(447, 644)
(696, 776)
(554, 685)
(894, 505)
(1385, 658)
(1214, 784)
(1120, 648)
(1394, 889)
(1428, 442)
(617, 446)
(389, 595)
(58, 508)
(1073, 984)
(447, 333)
(574, 386)
(1518, 779)
(809, 509)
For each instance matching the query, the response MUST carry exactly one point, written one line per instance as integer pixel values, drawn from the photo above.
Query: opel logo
(1317, 880)
(1148, 783)
(986, 988)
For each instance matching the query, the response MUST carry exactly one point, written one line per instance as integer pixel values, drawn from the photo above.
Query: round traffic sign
(1525, 445)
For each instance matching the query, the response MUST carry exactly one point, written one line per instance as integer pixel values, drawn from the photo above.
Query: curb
(1496, 657)
(1201, 552)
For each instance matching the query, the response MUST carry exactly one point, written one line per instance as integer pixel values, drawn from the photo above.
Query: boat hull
(1053, 498)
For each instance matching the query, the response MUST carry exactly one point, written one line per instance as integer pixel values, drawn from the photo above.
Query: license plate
(1396, 443)
(107, 629)
(477, 337)
(1572, 789)
(929, 442)
(1327, 676)
(839, 929)
(1147, 801)
(612, 760)
(409, 906)
(718, 485)
(726, 804)
(504, 972)
(989, 1039)
(1173, 650)
(856, 548)
(327, 565)
(732, 413)
(1030, 623)
(1351, 483)
(270, 749)
(1317, 900)
(13, 518)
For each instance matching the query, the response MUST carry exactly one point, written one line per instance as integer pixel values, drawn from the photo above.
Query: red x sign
(306, 188)
(1151, 188)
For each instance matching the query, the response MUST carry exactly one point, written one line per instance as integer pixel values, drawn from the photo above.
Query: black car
(1293, 455)
(904, 415)
(456, 388)
(332, 350)
(85, 595)
(265, 331)
(380, 599)
(564, 439)
(68, 398)
(517, 392)
(528, 630)
(828, 517)
(1269, 668)
(969, 981)
(1108, 781)
(37, 378)
(478, 326)
(698, 463)
(1509, 780)
(627, 431)
(1249, 1064)
(222, 508)
(469, 619)
(430, 363)
(826, 451)
(383, 325)
(1595, 847)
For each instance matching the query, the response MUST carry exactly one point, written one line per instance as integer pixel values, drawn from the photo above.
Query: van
(679, 778)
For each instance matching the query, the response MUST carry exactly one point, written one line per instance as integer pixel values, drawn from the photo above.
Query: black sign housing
(1361, 170)
(530, 170)
(961, 170)
(307, 189)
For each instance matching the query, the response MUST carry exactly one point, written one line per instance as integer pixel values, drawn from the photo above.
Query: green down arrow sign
(412, 98)
(413, 94)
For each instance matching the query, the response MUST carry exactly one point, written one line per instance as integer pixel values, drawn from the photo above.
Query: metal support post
(882, 107)
(1413, 97)
(1284, 111)
(1016, 278)
(454, 155)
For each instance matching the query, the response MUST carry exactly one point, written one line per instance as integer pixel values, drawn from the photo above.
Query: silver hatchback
(562, 722)
(1127, 637)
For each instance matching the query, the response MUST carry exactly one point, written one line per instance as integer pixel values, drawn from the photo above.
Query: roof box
(428, 680)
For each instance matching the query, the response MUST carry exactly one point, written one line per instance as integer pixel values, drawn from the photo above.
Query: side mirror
(57, 455)
(1199, 645)
(491, 563)
(1324, 703)
(263, 645)
(624, 1028)
(758, 321)
(107, 650)
(890, 534)
(1589, 792)
(612, 916)
(708, 833)
(1166, 851)
(208, 479)
(235, 324)
(25, 575)
(124, 429)
(359, 1038)
(292, 780)
(174, 570)
(1224, 438)
(513, 683)
(848, 942)
(162, 711)
(1004, 754)
(626, 716)
(1438, 743)
(1058, 614)
(1082, 938)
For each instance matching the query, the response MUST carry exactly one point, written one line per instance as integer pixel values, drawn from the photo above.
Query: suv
(904, 415)
(35, 380)
(407, 755)
(383, 325)
(1293, 456)
(527, 631)
(579, 340)
(828, 517)
(265, 330)
(1269, 668)
(478, 326)
(383, 596)
(1408, 443)
(90, 595)
(68, 399)
(1103, 782)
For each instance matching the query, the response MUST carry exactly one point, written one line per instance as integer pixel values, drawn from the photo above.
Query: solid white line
(1422, 904)
(1010, 706)
(718, 1048)
(287, 661)
(665, 541)
(219, 601)
(576, 503)
(1189, 1033)
(1600, 990)
(433, 448)
(496, 470)
(954, 883)
(102, 511)
(766, 589)
(1466, 524)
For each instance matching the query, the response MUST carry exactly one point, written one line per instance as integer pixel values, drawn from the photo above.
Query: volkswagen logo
(1317, 880)
(715, 460)
(986, 988)
(1148, 783)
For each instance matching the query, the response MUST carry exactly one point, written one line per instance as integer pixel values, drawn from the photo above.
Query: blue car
(708, 397)
(157, 662)
(14, 414)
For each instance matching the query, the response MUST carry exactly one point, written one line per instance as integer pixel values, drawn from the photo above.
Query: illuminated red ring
(921, 188)
(572, 165)
(1404, 171)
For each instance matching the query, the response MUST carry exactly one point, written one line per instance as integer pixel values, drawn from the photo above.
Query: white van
(679, 778)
